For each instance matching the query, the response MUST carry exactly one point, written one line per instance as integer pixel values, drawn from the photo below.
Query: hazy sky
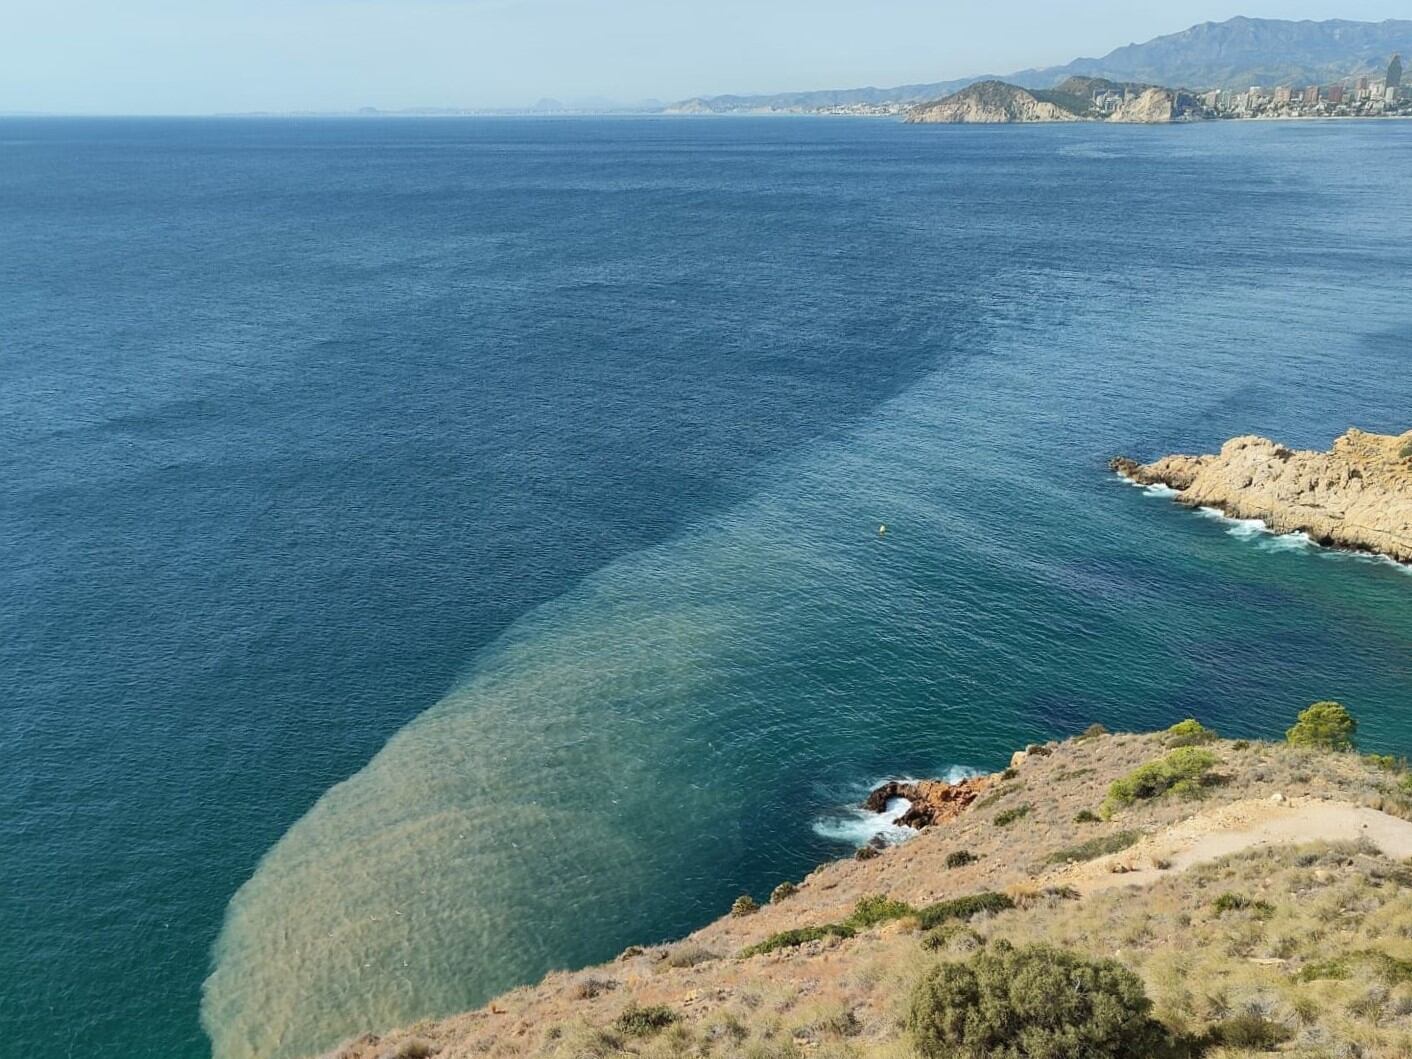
(202, 56)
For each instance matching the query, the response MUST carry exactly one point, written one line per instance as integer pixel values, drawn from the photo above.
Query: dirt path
(1232, 829)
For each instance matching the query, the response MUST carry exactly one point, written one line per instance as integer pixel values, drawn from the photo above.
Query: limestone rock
(1358, 495)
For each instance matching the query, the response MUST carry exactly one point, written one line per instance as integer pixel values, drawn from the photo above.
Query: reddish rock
(933, 801)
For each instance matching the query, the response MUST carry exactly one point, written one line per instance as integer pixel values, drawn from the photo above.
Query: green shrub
(1250, 1030)
(1006, 817)
(638, 1021)
(1094, 847)
(1389, 968)
(1324, 725)
(875, 909)
(1036, 1002)
(416, 1048)
(1182, 771)
(1009, 774)
(1336, 969)
(744, 905)
(1387, 762)
(782, 892)
(1231, 902)
(1093, 731)
(949, 933)
(789, 939)
(1190, 732)
(1405, 453)
(1086, 816)
(963, 908)
(959, 858)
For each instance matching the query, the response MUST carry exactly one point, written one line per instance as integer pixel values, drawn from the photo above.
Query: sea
(438, 551)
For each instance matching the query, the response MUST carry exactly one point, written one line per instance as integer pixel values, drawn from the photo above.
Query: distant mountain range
(1237, 53)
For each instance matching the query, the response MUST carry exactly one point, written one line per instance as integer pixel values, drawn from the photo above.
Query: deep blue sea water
(432, 552)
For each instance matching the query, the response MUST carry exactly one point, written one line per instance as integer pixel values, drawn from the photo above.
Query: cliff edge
(1358, 495)
(1230, 895)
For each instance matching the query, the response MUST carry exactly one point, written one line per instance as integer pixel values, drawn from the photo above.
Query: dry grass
(1312, 945)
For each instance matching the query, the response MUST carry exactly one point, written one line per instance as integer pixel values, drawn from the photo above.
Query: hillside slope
(1269, 905)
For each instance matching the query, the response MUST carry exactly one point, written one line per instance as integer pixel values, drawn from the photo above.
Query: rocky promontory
(1357, 495)
(990, 103)
(1077, 99)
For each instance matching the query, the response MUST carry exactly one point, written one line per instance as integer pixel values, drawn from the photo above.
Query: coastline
(1356, 497)
(793, 972)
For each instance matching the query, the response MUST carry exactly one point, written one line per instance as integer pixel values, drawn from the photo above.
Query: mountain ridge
(1236, 53)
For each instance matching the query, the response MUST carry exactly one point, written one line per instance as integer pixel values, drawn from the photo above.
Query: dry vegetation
(1302, 950)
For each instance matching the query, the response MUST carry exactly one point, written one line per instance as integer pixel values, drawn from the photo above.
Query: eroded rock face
(1153, 107)
(1357, 495)
(933, 801)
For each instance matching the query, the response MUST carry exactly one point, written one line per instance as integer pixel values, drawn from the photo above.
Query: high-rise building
(1311, 94)
(1334, 93)
(1394, 72)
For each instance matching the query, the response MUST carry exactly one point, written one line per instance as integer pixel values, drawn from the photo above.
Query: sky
(224, 56)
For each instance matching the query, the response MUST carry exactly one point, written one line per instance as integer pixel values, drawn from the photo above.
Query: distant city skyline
(162, 57)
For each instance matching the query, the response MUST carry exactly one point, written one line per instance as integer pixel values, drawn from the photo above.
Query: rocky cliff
(1155, 106)
(1261, 898)
(1357, 495)
(989, 103)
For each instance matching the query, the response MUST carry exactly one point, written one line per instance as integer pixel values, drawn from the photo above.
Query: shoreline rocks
(1358, 495)
(933, 801)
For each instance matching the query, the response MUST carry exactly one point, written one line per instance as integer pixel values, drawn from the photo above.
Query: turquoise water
(552, 456)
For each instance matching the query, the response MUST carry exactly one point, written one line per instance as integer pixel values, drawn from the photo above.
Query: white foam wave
(858, 827)
(1158, 489)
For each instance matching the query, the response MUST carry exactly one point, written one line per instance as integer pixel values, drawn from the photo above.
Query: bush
(1183, 771)
(1387, 762)
(963, 908)
(744, 905)
(689, 954)
(638, 1021)
(950, 935)
(1324, 725)
(1250, 1030)
(1009, 774)
(1094, 847)
(1006, 817)
(1405, 453)
(789, 939)
(1230, 902)
(959, 858)
(875, 909)
(1093, 731)
(1190, 732)
(782, 892)
(1036, 1002)
(1086, 816)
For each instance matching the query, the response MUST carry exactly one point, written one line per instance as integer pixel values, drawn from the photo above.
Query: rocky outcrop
(1157, 106)
(989, 103)
(933, 801)
(1357, 495)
